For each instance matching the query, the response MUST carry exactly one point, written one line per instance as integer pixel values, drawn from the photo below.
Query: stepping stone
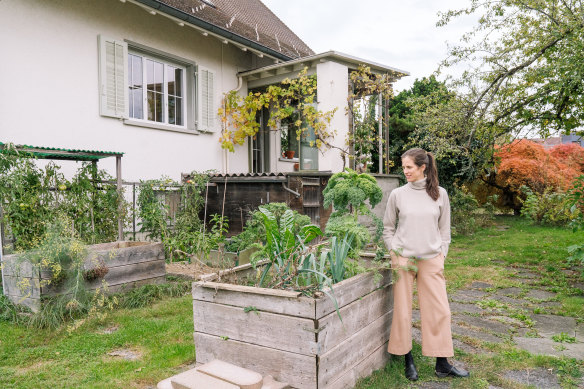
(465, 308)
(544, 346)
(539, 378)
(482, 323)
(509, 300)
(243, 378)
(507, 320)
(193, 379)
(480, 285)
(513, 291)
(463, 331)
(540, 294)
(468, 296)
(549, 325)
(271, 383)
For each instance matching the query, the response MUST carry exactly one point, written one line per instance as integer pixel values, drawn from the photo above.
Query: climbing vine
(239, 113)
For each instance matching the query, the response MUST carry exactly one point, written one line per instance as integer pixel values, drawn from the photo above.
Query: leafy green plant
(348, 192)
(552, 208)
(562, 337)
(467, 216)
(338, 254)
(255, 232)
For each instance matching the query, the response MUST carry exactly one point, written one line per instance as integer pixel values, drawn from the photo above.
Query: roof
(248, 22)
(63, 154)
(351, 61)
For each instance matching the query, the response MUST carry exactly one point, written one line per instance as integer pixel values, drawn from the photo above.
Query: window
(155, 90)
(151, 88)
(304, 148)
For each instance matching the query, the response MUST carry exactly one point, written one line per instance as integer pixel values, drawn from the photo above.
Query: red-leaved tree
(526, 163)
(571, 154)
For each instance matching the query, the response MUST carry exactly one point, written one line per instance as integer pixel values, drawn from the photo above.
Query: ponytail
(421, 157)
(432, 178)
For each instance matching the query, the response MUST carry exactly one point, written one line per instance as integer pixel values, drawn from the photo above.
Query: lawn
(160, 335)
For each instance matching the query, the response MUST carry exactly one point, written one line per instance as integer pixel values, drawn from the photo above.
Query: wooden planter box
(129, 264)
(296, 339)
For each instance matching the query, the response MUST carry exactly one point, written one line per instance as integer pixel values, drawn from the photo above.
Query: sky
(401, 34)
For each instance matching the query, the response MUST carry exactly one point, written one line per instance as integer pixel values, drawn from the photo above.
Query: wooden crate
(294, 338)
(130, 264)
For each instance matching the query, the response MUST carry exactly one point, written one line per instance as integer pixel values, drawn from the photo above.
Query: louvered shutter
(206, 96)
(113, 77)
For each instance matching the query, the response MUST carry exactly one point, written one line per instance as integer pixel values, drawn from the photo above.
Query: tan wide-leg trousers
(434, 308)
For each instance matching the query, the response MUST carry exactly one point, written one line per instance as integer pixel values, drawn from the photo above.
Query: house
(146, 77)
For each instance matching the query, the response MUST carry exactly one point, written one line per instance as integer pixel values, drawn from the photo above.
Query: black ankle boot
(411, 371)
(445, 369)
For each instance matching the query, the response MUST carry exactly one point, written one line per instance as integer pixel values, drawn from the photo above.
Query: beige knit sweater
(423, 229)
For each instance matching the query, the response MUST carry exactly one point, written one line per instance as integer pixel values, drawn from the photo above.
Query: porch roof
(351, 61)
(64, 154)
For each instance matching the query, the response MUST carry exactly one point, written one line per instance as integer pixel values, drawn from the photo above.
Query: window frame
(165, 94)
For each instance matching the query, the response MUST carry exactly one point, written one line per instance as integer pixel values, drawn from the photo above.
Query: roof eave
(185, 17)
(332, 55)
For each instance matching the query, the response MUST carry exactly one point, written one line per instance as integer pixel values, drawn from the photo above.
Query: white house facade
(146, 78)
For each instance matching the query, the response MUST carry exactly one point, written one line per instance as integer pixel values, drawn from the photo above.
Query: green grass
(161, 332)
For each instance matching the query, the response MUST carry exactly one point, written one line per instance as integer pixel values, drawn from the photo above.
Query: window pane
(155, 106)
(170, 79)
(154, 75)
(178, 77)
(135, 86)
(171, 109)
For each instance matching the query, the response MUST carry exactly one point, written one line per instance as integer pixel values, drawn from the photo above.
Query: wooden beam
(120, 197)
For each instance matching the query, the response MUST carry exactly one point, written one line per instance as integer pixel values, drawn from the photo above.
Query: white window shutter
(113, 78)
(207, 120)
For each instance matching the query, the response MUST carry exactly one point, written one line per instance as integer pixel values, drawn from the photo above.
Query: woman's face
(411, 170)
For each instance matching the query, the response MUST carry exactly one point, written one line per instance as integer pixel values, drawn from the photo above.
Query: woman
(418, 247)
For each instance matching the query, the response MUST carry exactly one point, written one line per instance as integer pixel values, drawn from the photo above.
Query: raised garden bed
(129, 264)
(294, 338)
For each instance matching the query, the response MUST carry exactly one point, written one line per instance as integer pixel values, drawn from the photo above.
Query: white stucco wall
(49, 77)
(333, 92)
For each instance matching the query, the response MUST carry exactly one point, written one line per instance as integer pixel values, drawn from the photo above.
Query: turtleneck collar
(418, 185)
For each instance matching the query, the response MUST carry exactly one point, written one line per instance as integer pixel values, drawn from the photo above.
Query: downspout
(290, 190)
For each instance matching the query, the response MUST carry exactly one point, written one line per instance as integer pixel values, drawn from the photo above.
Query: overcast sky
(401, 34)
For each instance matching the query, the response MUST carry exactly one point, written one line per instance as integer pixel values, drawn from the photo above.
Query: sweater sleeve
(389, 220)
(444, 222)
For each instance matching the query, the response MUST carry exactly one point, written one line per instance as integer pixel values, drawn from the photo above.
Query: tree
(527, 59)
(524, 163)
(570, 154)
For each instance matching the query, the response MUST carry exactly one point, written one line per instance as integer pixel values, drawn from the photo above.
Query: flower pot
(296, 166)
(290, 154)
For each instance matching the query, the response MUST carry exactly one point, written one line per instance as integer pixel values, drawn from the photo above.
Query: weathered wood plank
(298, 306)
(296, 369)
(350, 290)
(241, 271)
(353, 350)
(22, 286)
(135, 284)
(125, 256)
(250, 289)
(356, 316)
(377, 360)
(120, 275)
(281, 332)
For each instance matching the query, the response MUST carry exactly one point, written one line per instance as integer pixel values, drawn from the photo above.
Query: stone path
(483, 314)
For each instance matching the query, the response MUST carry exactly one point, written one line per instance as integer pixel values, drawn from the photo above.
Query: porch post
(380, 140)
(120, 196)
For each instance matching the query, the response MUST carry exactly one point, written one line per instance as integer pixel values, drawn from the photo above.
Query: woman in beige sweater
(417, 233)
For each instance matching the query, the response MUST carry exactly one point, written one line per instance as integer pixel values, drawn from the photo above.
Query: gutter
(171, 11)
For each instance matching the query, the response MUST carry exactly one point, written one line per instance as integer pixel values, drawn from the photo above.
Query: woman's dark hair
(422, 157)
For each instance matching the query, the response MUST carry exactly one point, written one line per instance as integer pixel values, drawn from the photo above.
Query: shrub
(466, 214)
(552, 208)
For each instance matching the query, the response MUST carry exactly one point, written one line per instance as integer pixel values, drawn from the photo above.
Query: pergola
(76, 155)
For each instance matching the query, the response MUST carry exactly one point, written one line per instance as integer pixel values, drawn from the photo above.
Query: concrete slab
(243, 378)
(512, 292)
(540, 378)
(540, 294)
(549, 325)
(271, 383)
(507, 320)
(481, 323)
(545, 346)
(468, 295)
(193, 379)
(464, 331)
(465, 308)
(480, 285)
